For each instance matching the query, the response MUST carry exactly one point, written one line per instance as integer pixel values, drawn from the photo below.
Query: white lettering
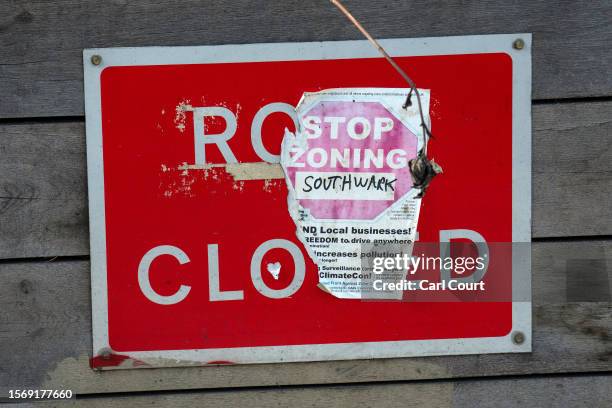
(201, 139)
(143, 275)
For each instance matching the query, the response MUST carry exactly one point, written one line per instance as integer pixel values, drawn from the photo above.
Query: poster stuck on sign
(348, 175)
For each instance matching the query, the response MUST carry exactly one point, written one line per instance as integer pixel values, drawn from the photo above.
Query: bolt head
(518, 44)
(518, 337)
(96, 59)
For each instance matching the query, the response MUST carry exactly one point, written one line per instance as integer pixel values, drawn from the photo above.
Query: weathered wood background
(45, 317)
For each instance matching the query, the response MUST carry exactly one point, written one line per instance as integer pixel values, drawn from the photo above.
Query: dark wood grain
(43, 190)
(571, 173)
(45, 336)
(589, 391)
(41, 42)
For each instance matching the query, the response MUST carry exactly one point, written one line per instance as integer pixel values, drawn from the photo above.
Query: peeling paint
(242, 171)
(186, 166)
(180, 117)
(274, 269)
(77, 373)
(255, 171)
(238, 185)
(185, 179)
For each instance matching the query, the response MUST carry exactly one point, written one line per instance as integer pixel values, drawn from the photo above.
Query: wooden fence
(45, 308)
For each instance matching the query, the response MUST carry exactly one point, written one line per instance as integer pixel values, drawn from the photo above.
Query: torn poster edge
(290, 138)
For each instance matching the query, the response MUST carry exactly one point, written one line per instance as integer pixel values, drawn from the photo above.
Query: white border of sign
(521, 192)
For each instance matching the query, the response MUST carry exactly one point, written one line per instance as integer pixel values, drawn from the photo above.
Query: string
(413, 88)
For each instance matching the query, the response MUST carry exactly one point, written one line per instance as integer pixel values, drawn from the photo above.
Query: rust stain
(220, 362)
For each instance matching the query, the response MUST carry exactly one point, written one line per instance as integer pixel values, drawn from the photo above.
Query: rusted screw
(518, 337)
(96, 59)
(518, 44)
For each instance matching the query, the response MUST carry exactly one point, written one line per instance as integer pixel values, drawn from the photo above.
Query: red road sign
(184, 246)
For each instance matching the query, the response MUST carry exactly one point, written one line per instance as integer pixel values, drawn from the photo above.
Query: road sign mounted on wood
(198, 256)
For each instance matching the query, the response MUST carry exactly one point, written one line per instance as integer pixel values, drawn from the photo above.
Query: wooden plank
(43, 205)
(590, 391)
(41, 68)
(45, 336)
(43, 190)
(572, 152)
